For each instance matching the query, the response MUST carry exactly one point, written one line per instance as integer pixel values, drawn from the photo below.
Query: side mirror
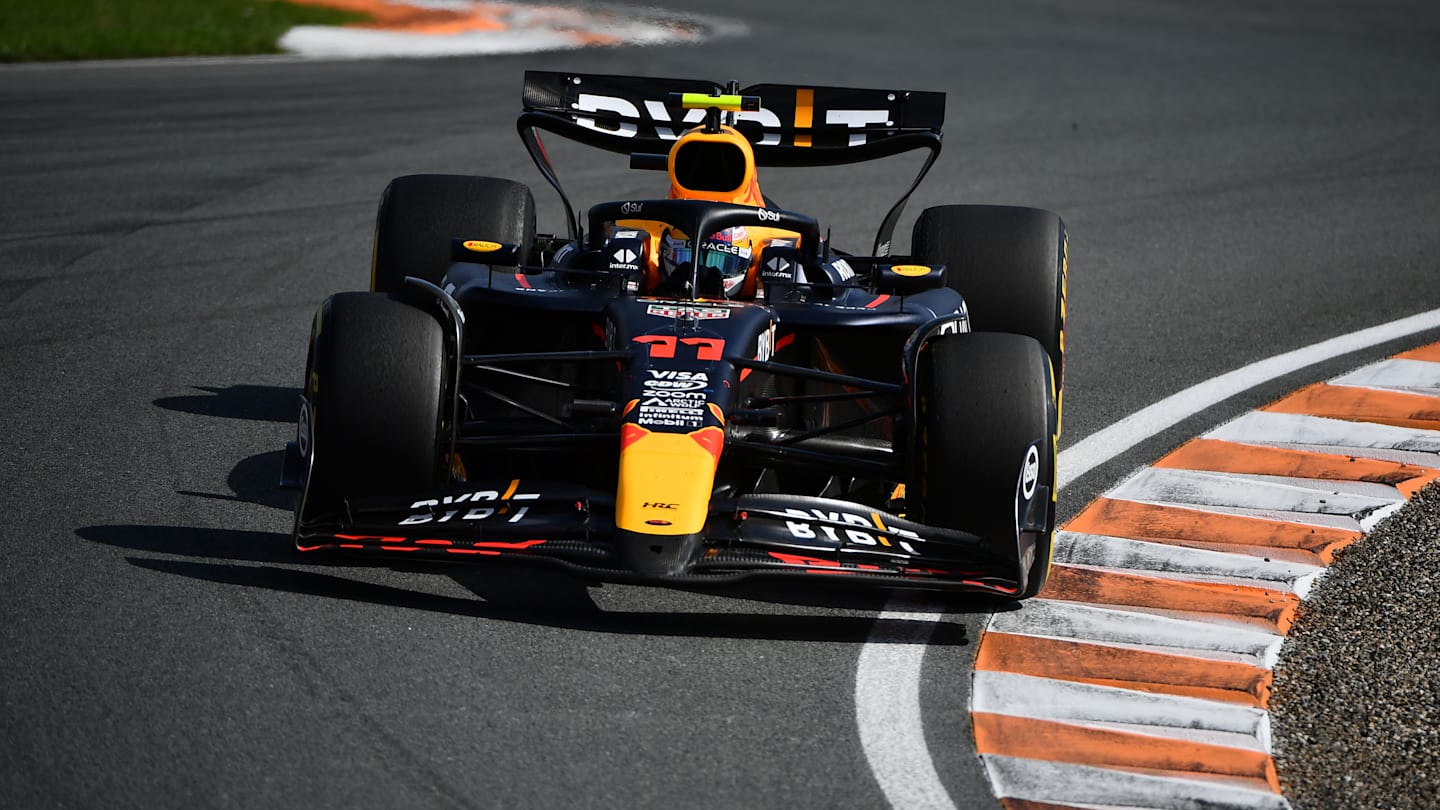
(780, 266)
(624, 252)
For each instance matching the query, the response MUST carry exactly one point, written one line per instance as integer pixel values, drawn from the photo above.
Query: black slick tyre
(1010, 265)
(420, 213)
(375, 388)
(987, 422)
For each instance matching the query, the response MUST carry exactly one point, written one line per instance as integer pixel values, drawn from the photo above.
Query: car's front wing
(746, 537)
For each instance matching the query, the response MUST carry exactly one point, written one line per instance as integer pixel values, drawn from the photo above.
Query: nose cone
(657, 556)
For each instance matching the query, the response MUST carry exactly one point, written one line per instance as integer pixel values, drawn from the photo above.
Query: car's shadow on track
(260, 403)
(514, 593)
(254, 479)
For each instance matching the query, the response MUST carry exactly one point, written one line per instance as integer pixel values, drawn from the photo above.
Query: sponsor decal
(665, 379)
(765, 344)
(625, 235)
(624, 259)
(729, 304)
(717, 246)
(658, 114)
(860, 530)
(302, 430)
(668, 412)
(479, 505)
(481, 246)
(779, 268)
(949, 328)
(699, 313)
(858, 119)
(673, 399)
(843, 269)
(767, 216)
(1030, 473)
(911, 270)
(658, 505)
(632, 208)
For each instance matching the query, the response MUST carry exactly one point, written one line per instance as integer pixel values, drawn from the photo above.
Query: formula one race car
(700, 388)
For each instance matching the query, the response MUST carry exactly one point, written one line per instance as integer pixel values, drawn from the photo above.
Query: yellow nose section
(666, 479)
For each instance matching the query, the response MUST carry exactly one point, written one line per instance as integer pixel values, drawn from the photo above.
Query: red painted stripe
(1275, 609)
(1214, 530)
(1429, 354)
(1221, 456)
(1125, 667)
(515, 546)
(1053, 741)
(1362, 405)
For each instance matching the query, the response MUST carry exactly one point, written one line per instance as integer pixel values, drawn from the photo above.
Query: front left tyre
(374, 388)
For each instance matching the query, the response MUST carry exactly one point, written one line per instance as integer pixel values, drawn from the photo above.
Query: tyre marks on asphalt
(1140, 676)
(418, 28)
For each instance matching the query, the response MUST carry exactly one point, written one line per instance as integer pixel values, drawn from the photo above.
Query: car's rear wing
(793, 125)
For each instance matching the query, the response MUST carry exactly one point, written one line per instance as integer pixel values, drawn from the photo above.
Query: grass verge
(52, 30)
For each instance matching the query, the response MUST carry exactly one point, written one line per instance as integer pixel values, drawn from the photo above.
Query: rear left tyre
(420, 213)
(1010, 265)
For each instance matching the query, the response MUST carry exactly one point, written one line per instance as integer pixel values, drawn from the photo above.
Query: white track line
(1048, 699)
(887, 704)
(1159, 559)
(887, 675)
(1101, 446)
(1264, 427)
(1081, 785)
(1403, 376)
(1202, 489)
(1121, 627)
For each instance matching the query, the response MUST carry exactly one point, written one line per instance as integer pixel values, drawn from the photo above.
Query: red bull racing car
(697, 388)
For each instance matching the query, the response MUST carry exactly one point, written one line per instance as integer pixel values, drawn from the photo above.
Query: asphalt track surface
(1238, 179)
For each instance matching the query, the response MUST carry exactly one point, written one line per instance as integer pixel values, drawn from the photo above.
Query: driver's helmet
(725, 262)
